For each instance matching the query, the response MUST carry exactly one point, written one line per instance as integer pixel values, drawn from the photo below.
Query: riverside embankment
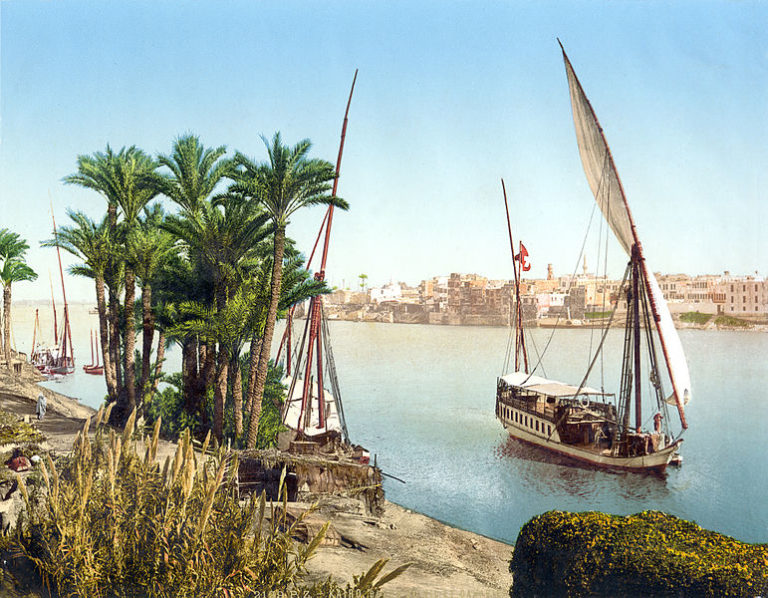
(445, 561)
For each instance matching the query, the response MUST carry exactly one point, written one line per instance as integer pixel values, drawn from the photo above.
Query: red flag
(524, 265)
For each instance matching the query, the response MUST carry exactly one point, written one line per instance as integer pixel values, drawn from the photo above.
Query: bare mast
(519, 336)
(67, 334)
(315, 335)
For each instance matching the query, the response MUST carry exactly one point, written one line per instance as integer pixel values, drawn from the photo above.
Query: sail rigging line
(661, 404)
(598, 352)
(567, 291)
(332, 374)
(623, 226)
(299, 354)
(597, 271)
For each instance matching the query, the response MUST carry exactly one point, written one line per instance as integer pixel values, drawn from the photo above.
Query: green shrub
(168, 405)
(648, 554)
(14, 430)
(107, 522)
(695, 317)
(731, 322)
(597, 315)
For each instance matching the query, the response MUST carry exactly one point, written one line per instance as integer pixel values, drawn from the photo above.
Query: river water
(421, 398)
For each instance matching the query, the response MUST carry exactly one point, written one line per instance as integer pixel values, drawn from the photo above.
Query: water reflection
(545, 472)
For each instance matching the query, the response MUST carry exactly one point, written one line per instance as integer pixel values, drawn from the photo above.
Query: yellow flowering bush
(647, 554)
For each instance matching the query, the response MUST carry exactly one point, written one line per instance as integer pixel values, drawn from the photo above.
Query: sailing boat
(94, 368)
(581, 422)
(64, 357)
(311, 411)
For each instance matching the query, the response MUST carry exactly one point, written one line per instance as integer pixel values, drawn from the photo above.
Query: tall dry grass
(108, 521)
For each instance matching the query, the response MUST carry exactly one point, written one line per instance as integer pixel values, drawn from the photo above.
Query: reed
(107, 522)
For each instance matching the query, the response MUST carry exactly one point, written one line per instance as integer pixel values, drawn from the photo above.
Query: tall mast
(53, 304)
(519, 336)
(67, 334)
(315, 305)
(636, 260)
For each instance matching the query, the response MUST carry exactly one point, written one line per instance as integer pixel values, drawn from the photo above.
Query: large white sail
(606, 186)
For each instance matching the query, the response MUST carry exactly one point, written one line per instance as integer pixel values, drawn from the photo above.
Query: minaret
(585, 266)
(550, 274)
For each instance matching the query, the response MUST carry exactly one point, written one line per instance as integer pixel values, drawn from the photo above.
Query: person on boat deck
(657, 422)
(42, 404)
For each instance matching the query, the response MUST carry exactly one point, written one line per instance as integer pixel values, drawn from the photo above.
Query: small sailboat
(94, 368)
(312, 411)
(585, 423)
(63, 358)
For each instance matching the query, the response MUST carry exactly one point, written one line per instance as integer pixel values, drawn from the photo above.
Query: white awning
(551, 388)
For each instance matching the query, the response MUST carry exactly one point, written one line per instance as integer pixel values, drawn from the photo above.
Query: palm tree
(289, 181)
(220, 326)
(122, 178)
(96, 172)
(136, 185)
(13, 270)
(93, 244)
(223, 240)
(195, 172)
(149, 248)
(12, 246)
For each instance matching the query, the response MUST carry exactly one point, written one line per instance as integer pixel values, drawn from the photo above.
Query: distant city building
(475, 299)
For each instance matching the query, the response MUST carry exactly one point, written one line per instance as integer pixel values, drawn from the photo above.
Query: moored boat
(584, 423)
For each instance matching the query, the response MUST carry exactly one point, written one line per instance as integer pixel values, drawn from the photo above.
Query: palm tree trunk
(148, 333)
(189, 372)
(237, 394)
(114, 339)
(2, 344)
(252, 366)
(109, 368)
(204, 380)
(130, 340)
(269, 330)
(220, 394)
(160, 358)
(7, 324)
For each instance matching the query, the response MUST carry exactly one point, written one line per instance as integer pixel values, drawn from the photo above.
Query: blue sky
(451, 97)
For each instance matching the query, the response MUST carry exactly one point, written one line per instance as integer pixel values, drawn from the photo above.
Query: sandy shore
(445, 561)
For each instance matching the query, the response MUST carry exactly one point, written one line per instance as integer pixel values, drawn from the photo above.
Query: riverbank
(389, 315)
(445, 561)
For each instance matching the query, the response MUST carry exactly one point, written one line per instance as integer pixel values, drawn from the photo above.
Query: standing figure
(41, 406)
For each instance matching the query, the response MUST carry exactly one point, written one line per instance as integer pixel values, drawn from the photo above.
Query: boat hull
(655, 462)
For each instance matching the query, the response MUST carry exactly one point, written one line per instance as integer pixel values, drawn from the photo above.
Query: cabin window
(549, 430)
(537, 426)
(526, 421)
